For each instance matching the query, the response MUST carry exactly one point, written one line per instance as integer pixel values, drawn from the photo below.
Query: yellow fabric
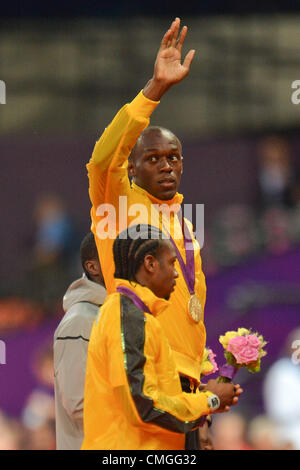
(156, 305)
(107, 171)
(111, 419)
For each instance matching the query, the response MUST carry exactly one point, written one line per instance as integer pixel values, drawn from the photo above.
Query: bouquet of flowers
(209, 365)
(242, 349)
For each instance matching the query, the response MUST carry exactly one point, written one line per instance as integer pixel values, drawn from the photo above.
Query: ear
(181, 164)
(131, 168)
(150, 264)
(93, 267)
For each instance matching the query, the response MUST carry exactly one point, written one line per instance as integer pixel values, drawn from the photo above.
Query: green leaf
(230, 358)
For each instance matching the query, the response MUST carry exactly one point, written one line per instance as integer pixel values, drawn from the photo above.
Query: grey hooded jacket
(71, 338)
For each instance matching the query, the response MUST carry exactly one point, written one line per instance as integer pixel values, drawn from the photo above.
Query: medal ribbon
(134, 297)
(188, 268)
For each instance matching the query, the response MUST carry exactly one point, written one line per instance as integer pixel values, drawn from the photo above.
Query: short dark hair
(88, 250)
(131, 246)
(148, 130)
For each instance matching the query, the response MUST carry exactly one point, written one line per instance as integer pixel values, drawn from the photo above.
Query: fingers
(238, 390)
(166, 39)
(171, 39)
(181, 38)
(175, 27)
(189, 59)
(223, 410)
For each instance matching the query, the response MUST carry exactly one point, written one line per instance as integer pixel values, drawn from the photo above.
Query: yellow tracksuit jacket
(108, 180)
(133, 397)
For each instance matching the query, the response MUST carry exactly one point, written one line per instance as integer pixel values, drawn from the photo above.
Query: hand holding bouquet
(228, 396)
(242, 349)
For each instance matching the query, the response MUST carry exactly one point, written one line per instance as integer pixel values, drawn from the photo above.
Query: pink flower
(211, 356)
(237, 342)
(253, 341)
(243, 351)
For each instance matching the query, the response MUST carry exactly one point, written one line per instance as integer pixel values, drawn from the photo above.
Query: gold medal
(195, 308)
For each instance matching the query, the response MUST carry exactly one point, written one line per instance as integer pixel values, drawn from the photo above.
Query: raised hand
(168, 69)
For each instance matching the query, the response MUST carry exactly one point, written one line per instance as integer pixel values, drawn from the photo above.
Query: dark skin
(168, 69)
(94, 270)
(156, 163)
(158, 272)
(205, 438)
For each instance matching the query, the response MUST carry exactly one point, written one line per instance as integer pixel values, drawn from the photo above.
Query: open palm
(168, 68)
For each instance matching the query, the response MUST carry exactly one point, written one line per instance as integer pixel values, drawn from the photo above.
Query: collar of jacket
(84, 290)
(177, 199)
(155, 304)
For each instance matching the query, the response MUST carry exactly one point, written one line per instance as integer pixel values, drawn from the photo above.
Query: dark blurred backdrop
(68, 68)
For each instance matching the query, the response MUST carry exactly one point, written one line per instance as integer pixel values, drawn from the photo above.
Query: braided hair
(131, 246)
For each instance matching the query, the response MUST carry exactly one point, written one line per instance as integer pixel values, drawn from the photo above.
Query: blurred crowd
(35, 428)
(232, 431)
(237, 233)
(271, 225)
(52, 261)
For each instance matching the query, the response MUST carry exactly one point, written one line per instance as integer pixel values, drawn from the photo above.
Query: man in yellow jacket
(133, 397)
(155, 165)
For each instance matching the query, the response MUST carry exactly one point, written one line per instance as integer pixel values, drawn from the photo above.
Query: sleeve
(70, 354)
(107, 169)
(149, 365)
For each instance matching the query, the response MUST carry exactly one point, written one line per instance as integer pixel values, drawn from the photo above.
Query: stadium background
(67, 71)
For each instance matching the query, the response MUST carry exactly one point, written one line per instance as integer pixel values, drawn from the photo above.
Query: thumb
(189, 59)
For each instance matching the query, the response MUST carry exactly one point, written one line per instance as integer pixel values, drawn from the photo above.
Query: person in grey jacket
(81, 304)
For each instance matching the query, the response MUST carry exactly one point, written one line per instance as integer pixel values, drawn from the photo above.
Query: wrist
(213, 401)
(155, 89)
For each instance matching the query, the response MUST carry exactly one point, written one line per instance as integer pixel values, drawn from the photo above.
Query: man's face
(163, 282)
(156, 164)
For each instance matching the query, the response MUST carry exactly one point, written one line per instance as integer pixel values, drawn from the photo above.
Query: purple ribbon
(135, 298)
(228, 371)
(188, 268)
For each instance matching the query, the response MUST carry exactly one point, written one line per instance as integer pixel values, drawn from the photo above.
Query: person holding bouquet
(133, 396)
